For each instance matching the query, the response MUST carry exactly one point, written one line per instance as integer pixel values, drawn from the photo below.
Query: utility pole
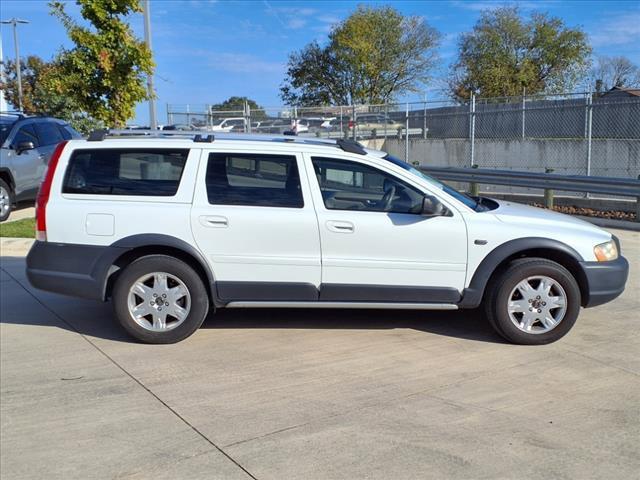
(153, 122)
(3, 102)
(15, 21)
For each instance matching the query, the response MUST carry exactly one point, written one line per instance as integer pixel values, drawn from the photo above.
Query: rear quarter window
(142, 172)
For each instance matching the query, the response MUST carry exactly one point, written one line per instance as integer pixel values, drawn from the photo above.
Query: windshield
(5, 128)
(462, 197)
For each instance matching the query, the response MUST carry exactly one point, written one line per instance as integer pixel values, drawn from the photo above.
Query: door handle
(214, 221)
(340, 226)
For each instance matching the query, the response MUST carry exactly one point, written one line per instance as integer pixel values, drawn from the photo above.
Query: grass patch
(25, 228)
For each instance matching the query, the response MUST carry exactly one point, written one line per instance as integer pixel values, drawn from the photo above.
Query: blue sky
(208, 50)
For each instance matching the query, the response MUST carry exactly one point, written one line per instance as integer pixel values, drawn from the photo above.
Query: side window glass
(26, 134)
(347, 185)
(254, 180)
(148, 172)
(48, 133)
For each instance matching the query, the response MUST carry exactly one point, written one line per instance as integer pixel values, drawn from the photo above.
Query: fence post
(472, 126)
(524, 106)
(188, 117)
(406, 135)
(169, 115)
(589, 113)
(424, 119)
(548, 193)
(247, 117)
(638, 206)
(386, 115)
(354, 120)
(474, 188)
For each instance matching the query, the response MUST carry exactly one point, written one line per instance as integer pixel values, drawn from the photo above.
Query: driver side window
(347, 185)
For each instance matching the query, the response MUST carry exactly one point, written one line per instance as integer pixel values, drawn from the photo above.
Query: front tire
(6, 200)
(533, 302)
(160, 299)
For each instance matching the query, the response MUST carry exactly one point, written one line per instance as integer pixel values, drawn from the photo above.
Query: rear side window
(48, 133)
(148, 172)
(254, 180)
(67, 132)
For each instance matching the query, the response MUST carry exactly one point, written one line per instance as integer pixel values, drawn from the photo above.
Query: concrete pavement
(279, 394)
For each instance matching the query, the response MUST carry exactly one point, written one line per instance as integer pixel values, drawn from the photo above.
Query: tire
(534, 317)
(143, 282)
(6, 200)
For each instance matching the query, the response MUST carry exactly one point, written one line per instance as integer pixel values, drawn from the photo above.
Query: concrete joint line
(162, 402)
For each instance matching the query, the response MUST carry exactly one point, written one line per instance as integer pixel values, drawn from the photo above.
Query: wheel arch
(497, 260)
(138, 246)
(5, 174)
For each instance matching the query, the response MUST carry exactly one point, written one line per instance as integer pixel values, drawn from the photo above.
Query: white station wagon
(171, 228)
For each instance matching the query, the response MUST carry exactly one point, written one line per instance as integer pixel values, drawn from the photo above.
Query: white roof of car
(186, 139)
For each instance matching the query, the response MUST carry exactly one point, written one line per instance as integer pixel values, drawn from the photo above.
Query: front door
(376, 247)
(254, 220)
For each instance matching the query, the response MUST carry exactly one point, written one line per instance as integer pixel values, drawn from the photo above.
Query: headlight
(606, 252)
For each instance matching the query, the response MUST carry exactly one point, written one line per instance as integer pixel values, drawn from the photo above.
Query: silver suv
(27, 144)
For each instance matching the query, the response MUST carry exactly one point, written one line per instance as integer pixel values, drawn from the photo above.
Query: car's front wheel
(160, 299)
(533, 302)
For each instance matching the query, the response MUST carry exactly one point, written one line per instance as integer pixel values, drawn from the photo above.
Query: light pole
(153, 123)
(15, 21)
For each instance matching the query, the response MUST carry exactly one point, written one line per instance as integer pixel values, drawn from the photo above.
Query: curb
(15, 246)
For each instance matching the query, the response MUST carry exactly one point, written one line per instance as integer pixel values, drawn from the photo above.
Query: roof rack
(200, 136)
(351, 146)
(196, 135)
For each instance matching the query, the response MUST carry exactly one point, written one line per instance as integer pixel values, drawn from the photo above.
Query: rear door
(254, 220)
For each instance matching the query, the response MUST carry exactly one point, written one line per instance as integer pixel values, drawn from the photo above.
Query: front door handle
(214, 221)
(340, 226)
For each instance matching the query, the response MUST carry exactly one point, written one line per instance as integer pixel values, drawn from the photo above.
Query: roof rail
(351, 146)
(196, 135)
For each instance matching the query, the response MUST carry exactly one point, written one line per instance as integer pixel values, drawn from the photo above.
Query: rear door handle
(340, 226)
(214, 221)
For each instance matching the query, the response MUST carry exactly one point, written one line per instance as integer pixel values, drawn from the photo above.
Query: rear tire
(533, 302)
(160, 299)
(6, 200)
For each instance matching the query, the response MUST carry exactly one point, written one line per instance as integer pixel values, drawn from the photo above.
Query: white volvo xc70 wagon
(171, 228)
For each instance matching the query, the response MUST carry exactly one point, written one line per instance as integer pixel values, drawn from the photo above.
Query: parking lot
(291, 394)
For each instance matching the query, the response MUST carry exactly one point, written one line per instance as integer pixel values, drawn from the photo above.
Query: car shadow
(464, 324)
(95, 319)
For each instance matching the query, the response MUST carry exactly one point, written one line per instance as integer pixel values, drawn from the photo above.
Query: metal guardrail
(625, 187)
(571, 183)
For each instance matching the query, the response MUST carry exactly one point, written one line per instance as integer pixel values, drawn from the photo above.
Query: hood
(510, 212)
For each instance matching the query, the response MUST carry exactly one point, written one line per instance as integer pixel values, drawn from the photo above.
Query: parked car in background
(228, 124)
(369, 121)
(27, 144)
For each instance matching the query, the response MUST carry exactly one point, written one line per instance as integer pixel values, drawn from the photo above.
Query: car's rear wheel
(160, 299)
(533, 302)
(6, 200)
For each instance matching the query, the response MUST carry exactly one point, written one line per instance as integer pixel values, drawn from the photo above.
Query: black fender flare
(152, 240)
(472, 295)
(5, 171)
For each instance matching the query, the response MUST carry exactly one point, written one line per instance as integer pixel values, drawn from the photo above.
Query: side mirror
(22, 146)
(432, 207)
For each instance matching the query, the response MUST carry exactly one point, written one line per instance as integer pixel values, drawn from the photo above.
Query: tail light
(352, 124)
(44, 192)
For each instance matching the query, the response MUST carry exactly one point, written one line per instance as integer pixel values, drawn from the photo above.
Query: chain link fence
(572, 134)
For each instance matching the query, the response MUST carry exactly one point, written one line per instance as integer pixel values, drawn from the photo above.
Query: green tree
(373, 56)
(505, 53)
(105, 72)
(237, 104)
(40, 94)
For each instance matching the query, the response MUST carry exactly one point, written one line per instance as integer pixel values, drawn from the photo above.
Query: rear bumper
(605, 280)
(76, 270)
